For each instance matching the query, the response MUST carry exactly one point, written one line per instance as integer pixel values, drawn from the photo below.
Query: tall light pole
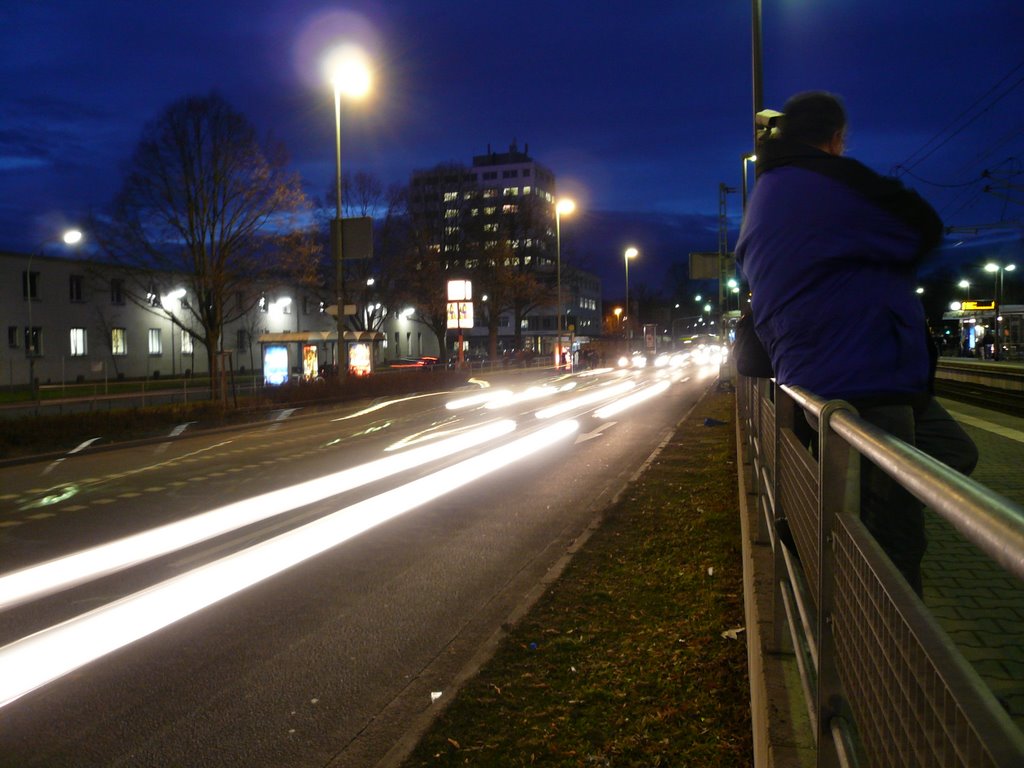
(563, 206)
(631, 253)
(69, 237)
(349, 74)
(998, 270)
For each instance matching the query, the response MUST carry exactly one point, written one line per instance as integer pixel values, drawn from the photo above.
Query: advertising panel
(275, 364)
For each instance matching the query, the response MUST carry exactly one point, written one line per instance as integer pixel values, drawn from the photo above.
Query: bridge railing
(883, 683)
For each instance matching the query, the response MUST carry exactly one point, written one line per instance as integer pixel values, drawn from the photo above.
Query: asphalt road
(343, 595)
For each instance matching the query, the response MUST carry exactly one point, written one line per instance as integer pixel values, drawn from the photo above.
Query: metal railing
(883, 683)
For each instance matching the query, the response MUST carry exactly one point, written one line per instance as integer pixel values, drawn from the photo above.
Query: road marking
(988, 426)
(41, 516)
(9, 523)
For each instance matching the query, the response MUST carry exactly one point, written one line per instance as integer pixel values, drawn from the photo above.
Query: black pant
(893, 515)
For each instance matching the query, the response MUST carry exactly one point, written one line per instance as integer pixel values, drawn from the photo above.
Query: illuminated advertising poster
(310, 369)
(275, 365)
(359, 359)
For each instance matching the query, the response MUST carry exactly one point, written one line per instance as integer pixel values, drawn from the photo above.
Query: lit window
(511, 191)
(118, 341)
(490, 193)
(527, 190)
(489, 211)
(186, 343)
(34, 341)
(78, 342)
(451, 213)
(449, 196)
(156, 344)
(509, 208)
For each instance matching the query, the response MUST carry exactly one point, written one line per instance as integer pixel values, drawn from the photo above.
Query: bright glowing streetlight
(565, 206)
(631, 253)
(349, 73)
(30, 289)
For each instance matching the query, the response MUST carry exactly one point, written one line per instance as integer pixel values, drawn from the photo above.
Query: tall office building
(499, 214)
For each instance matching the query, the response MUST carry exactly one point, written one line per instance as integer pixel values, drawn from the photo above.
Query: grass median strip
(635, 657)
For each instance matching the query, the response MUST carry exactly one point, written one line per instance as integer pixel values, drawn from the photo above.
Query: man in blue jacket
(830, 250)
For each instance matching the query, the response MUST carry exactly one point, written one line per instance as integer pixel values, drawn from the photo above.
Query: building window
(30, 285)
(34, 341)
(75, 283)
(241, 339)
(12, 336)
(305, 305)
(156, 343)
(510, 208)
(511, 191)
(490, 175)
(117, 291)
(449, 196)
(186, 343)
(526, 171)
(79, 348)
(118, 341)
(264, 304)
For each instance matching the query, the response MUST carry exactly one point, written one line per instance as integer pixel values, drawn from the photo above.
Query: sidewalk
(976, 602)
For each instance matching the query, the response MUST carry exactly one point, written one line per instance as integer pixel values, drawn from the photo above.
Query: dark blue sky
(639, 107)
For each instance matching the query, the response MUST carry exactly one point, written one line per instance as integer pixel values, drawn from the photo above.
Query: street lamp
(563, 206)
(998, 270)
(618, 316)
(349, 74)
(69, 237)
(631, 253)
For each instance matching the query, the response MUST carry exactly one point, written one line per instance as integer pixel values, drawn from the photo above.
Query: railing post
(839, 494)
(785, 409)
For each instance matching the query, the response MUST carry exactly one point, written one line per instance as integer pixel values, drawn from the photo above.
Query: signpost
(460, 309)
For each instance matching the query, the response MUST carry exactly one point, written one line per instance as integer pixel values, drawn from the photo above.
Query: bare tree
(206, 199)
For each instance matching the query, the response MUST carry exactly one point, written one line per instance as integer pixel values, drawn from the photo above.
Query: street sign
(974, 306)
(356, 237)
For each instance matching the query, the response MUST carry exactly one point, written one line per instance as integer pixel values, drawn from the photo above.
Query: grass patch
(622, 662)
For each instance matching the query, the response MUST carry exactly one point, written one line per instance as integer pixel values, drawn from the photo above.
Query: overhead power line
(924, 152)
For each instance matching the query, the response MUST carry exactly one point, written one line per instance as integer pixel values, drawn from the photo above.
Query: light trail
(632, 400)
(47, 655)
(52, 576)
(590, 398)
(479, 399)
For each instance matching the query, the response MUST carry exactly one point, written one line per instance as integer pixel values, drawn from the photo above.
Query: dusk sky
(638, 108)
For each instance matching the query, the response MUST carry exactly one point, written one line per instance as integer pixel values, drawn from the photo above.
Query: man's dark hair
(812, 117)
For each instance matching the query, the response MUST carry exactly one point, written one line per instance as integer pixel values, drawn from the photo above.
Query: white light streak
(35, 581)
(582, 401)
(531, 393)
(481, 398)
(38, 659)
(631, 400)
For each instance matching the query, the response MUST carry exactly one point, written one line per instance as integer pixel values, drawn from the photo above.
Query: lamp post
(69, 237)
(998, 270)
(631, 253)
(563, 206)
(349, 74)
